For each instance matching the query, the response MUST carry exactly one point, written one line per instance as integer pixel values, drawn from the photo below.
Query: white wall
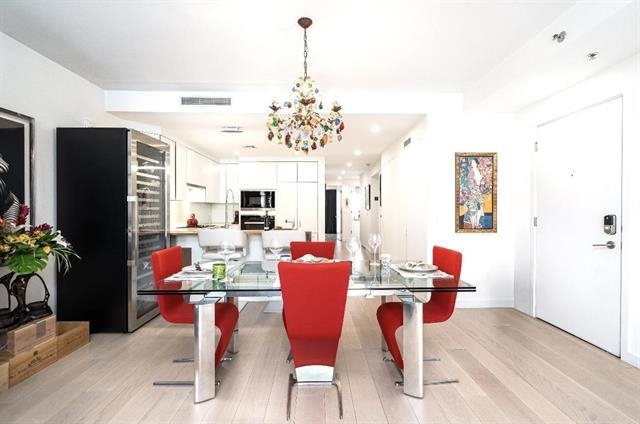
(418, 200)
(55, 97)
(622, 79)
(487, 257)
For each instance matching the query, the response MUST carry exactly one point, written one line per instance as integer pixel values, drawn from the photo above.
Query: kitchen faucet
(226, 205)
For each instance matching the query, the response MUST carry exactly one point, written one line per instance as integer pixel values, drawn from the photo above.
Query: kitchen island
(188, 239)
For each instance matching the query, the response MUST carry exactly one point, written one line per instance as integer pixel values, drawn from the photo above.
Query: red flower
(22, 215)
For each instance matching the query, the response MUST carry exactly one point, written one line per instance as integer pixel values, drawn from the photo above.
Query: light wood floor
(512, 369)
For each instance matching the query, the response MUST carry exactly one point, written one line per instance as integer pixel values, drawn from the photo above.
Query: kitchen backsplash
(206, 213)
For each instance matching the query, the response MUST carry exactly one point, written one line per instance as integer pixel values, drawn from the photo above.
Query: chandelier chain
(306, 53)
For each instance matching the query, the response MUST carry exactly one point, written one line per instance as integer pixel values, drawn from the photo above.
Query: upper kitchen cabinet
(257, 175)
(287, 172)
(204, 173)
(231, 183)
(308, 172)
(179, 164)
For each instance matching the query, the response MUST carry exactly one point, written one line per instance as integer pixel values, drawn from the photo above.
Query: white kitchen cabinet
(308, 172)
(213, 181)
(308, 208)
(257, 175)
(231, 182)
(287, 172)
(287, 205)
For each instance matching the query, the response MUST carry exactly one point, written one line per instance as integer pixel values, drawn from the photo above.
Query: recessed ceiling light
(375, 128)
(248, 146)
(235, 152)
(357, 152)
(231, 129)
(343, 172)
(339, 177)
(349, 164)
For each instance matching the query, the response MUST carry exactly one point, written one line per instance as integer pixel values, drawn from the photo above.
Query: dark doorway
(330, 212)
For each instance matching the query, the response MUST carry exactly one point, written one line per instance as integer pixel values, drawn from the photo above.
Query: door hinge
(535, 221)
(535, 146)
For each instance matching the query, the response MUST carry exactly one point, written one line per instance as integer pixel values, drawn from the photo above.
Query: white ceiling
(202, 130)
(234, 45)
(498, 53)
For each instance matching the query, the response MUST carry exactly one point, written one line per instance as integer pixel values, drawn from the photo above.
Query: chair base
(178, 383)
(432, 382)
(314, 375)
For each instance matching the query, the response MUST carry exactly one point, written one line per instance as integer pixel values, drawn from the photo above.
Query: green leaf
(27, 263)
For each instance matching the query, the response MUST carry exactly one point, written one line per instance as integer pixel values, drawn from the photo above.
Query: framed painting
(16, 150)
(476, 188)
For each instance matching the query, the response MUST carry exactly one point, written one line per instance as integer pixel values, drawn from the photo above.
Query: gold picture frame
(476, 209)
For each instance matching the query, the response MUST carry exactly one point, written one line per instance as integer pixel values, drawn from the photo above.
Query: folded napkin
(430, 274)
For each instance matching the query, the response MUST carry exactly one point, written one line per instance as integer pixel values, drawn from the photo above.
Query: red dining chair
(316, 312)
(439, 308)
(175, 309)
(320, 249)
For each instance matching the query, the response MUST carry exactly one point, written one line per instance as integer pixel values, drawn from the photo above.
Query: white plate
(417, 267)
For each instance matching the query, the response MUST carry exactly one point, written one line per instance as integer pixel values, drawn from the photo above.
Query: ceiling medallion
(303, 128)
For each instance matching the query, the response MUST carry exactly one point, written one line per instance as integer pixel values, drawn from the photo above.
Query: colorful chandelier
(301, 126)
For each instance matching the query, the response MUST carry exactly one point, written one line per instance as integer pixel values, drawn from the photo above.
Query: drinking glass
(275, 248)
(225, 250)
(375, 241)
(353, 246)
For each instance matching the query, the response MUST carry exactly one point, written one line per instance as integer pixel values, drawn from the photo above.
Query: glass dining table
(260, 279)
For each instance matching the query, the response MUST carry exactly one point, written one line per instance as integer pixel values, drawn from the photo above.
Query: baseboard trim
(631, 359)
(484, 303)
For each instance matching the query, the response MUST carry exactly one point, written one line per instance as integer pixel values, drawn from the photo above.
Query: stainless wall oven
(257, 222)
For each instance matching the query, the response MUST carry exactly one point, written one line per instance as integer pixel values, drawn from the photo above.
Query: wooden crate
(4, 375)
(71, 336)
(25, 364)
(28, 335)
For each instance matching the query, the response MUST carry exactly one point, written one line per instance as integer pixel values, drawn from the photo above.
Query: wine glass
(275, 248)
(375, 241)
(225, 250)
(353, 246)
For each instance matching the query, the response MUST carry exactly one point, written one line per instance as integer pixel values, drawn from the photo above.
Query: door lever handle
(609, 245)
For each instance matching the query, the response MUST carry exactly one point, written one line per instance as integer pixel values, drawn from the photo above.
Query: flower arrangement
(26, 250)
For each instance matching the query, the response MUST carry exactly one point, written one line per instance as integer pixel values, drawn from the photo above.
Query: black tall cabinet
(112, 197)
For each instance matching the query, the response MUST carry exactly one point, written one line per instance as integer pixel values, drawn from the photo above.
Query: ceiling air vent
(407, 142)
(205, 101)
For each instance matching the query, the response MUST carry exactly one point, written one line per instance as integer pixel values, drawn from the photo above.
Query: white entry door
(578, 182)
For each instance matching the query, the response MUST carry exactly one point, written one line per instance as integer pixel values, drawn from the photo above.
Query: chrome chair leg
(289, 357)
(173, 383)
(292, 381)
(440, 381)
(336, 383)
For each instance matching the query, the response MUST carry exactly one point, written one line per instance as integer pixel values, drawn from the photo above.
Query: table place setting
(418, 269)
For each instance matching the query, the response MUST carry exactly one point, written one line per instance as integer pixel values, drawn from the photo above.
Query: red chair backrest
(449, 261)
(165, 263)
(314, 298)
(320, 249)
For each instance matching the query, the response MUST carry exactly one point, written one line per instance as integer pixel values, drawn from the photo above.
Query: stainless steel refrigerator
(112, 206)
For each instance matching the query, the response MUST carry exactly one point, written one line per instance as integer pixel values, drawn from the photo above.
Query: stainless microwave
(257, 199)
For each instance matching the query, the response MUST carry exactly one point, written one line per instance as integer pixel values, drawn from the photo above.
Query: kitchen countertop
(194, 231)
